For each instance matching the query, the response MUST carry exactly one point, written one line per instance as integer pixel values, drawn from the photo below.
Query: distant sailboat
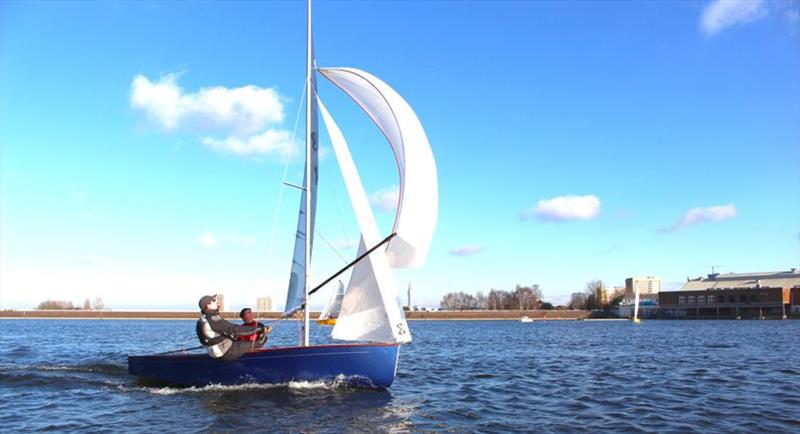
(635, 318)
(369, 315)
(334, 306)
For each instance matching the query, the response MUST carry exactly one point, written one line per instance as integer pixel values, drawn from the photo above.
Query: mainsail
(417, 208)
(295, 296)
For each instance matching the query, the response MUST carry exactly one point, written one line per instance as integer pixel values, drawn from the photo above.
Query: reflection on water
(682, 376)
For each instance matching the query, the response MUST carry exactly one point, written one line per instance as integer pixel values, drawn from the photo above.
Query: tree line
(67, 305)
(594, 296)
(521, 298)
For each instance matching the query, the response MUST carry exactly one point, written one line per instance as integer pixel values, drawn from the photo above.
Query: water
(457, 376)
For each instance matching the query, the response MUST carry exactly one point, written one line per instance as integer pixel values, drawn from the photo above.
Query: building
(733, 295)
(264, 304)
(794, 301)
(648, 287)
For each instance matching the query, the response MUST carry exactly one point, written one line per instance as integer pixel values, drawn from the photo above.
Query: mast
(309, 96)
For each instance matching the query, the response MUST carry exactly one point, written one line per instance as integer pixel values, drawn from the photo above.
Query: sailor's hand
(267, 329)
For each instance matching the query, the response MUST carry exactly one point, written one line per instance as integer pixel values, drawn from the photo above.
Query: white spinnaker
(369, 308)
(417, 209)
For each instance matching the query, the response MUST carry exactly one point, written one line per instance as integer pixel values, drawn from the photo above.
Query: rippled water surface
(490, 376)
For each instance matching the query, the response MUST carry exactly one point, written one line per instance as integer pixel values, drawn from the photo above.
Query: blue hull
(369, 364)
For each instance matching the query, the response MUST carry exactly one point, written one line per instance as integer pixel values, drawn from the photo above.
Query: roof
(775, 279)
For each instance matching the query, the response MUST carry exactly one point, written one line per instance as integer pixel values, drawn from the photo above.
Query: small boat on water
(332, 309)
(365, 316)
(526, 319)
(635, 318)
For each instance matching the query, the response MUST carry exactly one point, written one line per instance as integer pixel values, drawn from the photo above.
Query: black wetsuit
(228, 330)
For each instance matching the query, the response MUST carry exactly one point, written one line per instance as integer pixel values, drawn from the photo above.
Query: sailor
(257, 340)
(220, 337)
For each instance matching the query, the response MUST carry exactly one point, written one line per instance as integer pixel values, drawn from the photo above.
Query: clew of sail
(417, 208)
(295, 296)
(369, 308)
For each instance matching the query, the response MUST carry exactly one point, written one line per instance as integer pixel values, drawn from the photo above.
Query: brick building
(733, 295)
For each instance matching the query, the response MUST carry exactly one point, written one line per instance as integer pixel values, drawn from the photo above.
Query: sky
(143, 145)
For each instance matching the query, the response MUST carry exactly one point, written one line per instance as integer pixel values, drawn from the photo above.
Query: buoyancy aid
(216, 344)
(252, 337)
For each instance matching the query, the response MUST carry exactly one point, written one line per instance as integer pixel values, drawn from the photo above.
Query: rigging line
(283, 178)
(331, 186)
(331, 246)
(270, 249)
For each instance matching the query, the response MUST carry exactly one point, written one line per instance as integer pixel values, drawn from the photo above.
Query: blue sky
(574, 141)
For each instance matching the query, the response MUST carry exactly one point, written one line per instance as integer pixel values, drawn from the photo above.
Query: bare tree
(98, 303)
(87, 305)
(595, 295)
(494, 300)
(577, 301)
(481, 302)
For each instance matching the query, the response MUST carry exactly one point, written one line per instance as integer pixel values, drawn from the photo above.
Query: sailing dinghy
(369, 322)
(331, 311)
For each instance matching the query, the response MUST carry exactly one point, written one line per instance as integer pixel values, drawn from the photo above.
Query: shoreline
(508, 315)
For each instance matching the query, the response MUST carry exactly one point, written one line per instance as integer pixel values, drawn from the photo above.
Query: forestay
(369, 308)
(295, 296)
(417, 209)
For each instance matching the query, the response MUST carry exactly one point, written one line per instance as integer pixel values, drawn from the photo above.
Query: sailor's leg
(236, 350)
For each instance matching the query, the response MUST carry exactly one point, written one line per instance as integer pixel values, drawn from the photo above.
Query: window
(742, 298)
(753, 298)
(701, 299)
(711, 299)
(731, 299)
(691, 299)
(681, 300)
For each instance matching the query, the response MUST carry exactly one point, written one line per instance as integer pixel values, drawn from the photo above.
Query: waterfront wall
(440, 315)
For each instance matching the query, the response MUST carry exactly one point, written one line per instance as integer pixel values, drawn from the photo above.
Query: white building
(648, 287)
(264, 304)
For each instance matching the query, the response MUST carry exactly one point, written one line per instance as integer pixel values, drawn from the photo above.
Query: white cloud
(209, 239)
(720, 14)
(385, 200)
(704, 215)
(564, 208)
(269, 142)
(467, 250)
(244, 117)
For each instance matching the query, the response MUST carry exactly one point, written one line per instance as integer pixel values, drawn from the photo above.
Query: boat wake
(340, 383)
(98, 368)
